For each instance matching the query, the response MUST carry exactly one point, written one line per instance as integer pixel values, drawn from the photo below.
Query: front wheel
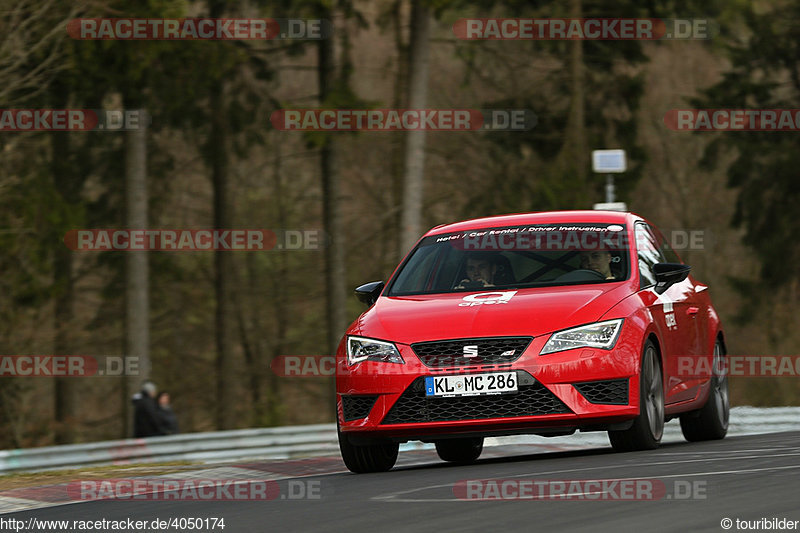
(647, 429)
(464, 450)
(710, 422)
(363, 459)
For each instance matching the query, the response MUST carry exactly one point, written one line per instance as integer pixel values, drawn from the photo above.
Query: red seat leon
(538, 323)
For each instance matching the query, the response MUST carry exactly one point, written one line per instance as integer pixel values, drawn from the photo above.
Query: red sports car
(539, 323)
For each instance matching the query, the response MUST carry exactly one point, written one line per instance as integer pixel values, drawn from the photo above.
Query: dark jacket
(147, 421)
(168, 419)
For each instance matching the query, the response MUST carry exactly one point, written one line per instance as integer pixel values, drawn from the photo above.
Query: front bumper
(587, 389)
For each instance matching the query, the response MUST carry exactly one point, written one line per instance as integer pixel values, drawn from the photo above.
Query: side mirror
(369, 292)
(668, 274)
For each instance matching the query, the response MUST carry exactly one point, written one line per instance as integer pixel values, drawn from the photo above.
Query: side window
(666, 250)
(648, 254)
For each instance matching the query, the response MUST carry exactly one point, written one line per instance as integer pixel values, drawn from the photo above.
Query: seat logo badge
(471, 350)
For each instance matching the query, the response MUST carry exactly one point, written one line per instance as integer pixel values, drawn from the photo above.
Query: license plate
(471, 384)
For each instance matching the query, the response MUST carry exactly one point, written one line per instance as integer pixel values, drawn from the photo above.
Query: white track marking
(393, 496)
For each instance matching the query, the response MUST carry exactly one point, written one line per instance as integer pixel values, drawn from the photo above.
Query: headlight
(598, 335)
(361, 349)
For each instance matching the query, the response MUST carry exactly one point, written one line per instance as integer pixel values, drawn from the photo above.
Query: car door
(693, 308)
(671, 312)
(692, 317)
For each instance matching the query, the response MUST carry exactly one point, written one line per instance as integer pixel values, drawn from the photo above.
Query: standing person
(168, 419)
(146, 420)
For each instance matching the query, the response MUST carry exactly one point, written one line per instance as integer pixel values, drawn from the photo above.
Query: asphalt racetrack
(751, 478)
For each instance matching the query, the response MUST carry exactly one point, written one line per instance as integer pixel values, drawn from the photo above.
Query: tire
(648, 427)
(710, 422)
(465, 450)
(364, 459)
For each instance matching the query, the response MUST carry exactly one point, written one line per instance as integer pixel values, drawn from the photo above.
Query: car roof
(542, 217)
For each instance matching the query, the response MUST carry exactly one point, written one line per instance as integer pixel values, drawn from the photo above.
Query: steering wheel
(474, 284)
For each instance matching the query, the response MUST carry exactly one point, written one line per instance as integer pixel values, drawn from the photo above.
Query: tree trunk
(64, 387)
(223, 261)
(281, 294)
(218, 150)
(390, 238)
(335, 273)
(577, 120)
(137, 285)
(411, 219)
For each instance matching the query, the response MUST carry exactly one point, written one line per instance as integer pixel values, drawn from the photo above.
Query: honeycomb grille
(357, 407)
(532, 399)
(614, 391)
(491, 350)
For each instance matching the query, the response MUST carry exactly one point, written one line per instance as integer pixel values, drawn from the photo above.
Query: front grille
(532, 399)
(492, 350)
(613, 391)
(356, 407)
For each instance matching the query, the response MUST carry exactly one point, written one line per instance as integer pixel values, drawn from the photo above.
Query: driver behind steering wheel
(480, 270)
(597, 260)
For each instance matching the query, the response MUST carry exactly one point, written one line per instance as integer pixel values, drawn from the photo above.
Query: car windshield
(515, 257)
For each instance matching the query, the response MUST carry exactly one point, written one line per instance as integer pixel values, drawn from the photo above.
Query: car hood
(530, 312)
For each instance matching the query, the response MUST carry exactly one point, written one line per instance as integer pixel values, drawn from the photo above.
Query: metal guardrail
(318, 439)
(219, 446)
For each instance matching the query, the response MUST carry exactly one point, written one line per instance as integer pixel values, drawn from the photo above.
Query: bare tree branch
(31, 51)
